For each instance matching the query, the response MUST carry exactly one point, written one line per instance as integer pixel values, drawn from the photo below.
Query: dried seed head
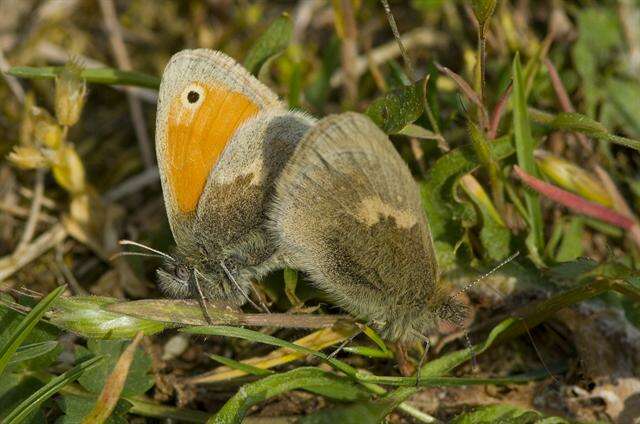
(48, 133)
(573, 178)
(71, 92)
(68, 170)
(28, 157)
(39, 128)
(27, 123)
(88, 316)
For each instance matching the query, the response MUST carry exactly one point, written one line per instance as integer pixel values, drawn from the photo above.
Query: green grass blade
(30, 351)
(107, 76)
(308, 378)
(369, 352)
(505, 414)
(255, 336)
(30, 404)
(376, 410)
(437, 188)
(374, 337)
(525, 144)
(461, 381)
(573, 121)
(25, 327)
(236, 365)
(273, 42)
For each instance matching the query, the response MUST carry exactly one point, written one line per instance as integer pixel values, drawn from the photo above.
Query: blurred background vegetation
(534, 151)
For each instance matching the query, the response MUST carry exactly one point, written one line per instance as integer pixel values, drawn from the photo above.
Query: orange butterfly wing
(197, 133)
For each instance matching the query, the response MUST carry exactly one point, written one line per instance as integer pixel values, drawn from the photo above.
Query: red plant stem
(575, 202)
(563, 98)
(468, 92)
(498, 111)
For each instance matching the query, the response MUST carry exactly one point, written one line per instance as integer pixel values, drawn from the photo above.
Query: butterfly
(251, 187)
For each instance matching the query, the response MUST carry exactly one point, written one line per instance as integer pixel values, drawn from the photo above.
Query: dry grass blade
(122, 58)
(317, 340)
(113, 387)
(12, 263)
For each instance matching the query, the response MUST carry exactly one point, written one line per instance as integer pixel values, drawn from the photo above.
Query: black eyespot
(193, 96)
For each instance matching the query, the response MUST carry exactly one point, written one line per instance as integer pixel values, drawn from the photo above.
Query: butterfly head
(200, 276)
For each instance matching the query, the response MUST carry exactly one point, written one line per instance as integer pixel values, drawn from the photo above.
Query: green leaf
(494, 234)
(632, 307)
(319, 90)
(271, 43)
(624, 95)
(376, 410)
(483, 151)
(290, 284)
(30, 404)
(306, 378)
(43, 332)
(599, 36)
(139, 379)
(483, 9)
(20, 333)
(398, 108)
(416, 131)
(507, 329)
(231, 363)
(572, 121)
(14, 389)
(504, 414)
(437, 189)
(357, 413)
(75, 408)
(525, 144)
(31, 351)
(571, 245)
(107, 76)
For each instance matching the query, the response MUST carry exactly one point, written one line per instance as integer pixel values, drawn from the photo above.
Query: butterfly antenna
(474, 360)
(233, 280)
(343, 344)
(142, 246)
(201, 299)
(538, 353)
(497, 267)
(147, 255)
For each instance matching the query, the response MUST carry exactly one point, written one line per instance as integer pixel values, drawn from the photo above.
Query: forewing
(205, 96)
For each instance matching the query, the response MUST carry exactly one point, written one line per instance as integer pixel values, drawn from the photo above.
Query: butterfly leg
(423, 359)
(202, 300)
